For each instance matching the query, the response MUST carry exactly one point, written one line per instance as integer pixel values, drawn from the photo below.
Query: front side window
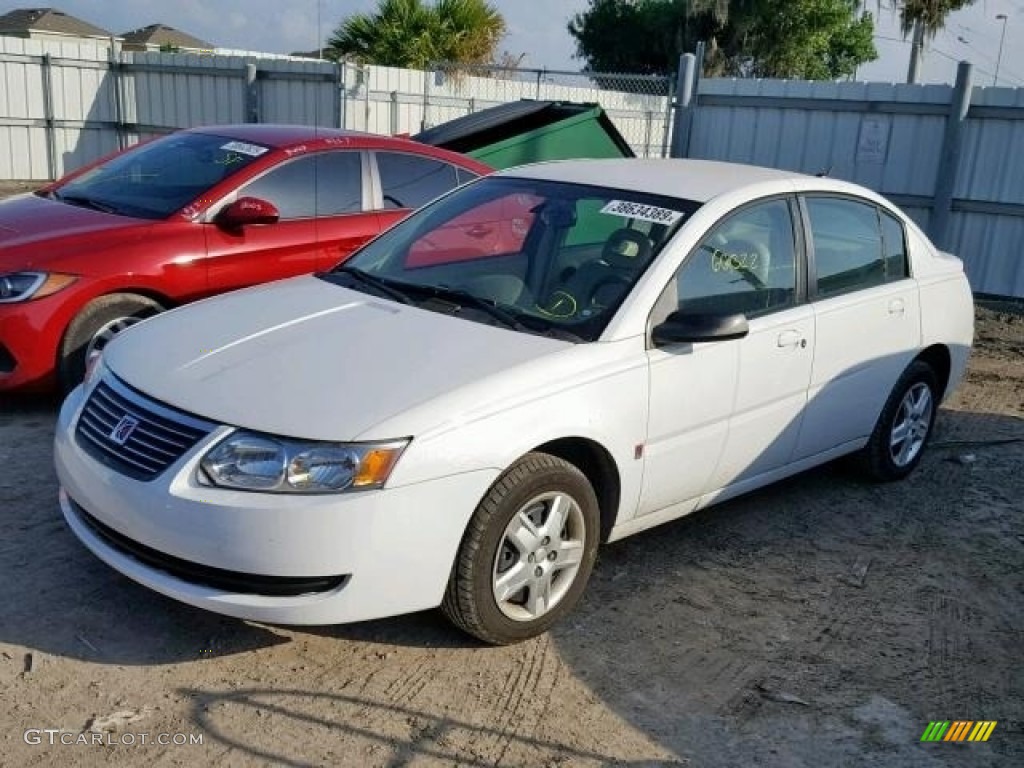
(411, 181)
(327, 184)
(746, 264)
(847, 239)
(548, 256)
(154, 180)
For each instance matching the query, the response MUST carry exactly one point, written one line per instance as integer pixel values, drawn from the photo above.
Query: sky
(538, 29)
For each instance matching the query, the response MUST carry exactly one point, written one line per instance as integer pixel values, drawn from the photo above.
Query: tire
(92, 329)
(913, 403)
(488, 561)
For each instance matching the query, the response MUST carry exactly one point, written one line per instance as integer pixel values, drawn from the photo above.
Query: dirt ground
(822, 622)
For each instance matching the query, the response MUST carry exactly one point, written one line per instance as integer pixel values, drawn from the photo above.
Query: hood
(307, 358)
(31, 221)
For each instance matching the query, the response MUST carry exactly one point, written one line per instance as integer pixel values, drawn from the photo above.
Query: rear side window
(847, 240)
(410, 181)
(894, 243)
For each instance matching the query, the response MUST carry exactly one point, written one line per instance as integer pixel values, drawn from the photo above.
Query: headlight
(22, 286)
(253, 462)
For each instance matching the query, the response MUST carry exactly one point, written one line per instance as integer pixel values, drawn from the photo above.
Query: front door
(321, 202)
(727, 411)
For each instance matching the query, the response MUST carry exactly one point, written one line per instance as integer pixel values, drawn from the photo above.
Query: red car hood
(29, 224)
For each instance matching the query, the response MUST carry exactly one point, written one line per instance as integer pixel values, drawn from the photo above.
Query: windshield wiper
(382, 285)
(465, 298)
(86, 202)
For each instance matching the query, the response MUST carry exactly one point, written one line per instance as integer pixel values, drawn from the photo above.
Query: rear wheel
(94, 327)
(527, 554)
(904, 426)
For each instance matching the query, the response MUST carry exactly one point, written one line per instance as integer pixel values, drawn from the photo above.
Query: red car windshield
(161, 177)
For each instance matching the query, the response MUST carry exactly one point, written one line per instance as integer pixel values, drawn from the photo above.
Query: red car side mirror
(248, 210)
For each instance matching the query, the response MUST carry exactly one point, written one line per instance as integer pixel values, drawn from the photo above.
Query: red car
(189, 215)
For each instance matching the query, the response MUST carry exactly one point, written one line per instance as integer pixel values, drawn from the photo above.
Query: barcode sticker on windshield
(253, 150)
(643, 212)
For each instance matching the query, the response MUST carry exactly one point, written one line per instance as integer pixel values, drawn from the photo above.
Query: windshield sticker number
(651, 213)
(253, 150)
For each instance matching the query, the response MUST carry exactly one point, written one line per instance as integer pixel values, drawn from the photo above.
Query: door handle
(478, 231)
(791, 339)
(897, 307)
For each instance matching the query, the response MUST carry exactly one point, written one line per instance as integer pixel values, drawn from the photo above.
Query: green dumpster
(531, 132)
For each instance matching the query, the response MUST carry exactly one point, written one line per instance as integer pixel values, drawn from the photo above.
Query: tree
(815, 39)
(925, 18)
(808, 39)
(415, 34)
(644, 37)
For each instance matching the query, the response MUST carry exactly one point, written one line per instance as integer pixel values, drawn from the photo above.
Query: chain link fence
(639, 105)
(388, 100)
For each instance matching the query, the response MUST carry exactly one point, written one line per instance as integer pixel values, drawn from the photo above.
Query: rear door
(867, 318)
(324, 218)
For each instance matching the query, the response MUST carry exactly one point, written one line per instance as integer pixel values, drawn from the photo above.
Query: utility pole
(916, 48)
(999, 56)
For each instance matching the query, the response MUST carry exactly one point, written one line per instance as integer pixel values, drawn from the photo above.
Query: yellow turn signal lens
(54, 282)
(376, 466)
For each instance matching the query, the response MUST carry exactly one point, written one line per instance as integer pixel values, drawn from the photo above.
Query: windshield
(157, 179)
(537, 256)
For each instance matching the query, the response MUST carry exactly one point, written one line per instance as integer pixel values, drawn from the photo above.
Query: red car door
(323, 220)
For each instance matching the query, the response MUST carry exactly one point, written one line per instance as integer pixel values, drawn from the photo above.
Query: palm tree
(415, 34)
(925, 18)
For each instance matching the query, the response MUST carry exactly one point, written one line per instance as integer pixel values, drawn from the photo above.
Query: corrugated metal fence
(65, 104)
(893, 139)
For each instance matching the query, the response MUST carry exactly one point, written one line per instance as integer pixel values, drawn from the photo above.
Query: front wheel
(527, 554)
(904, 426)
(94, 327)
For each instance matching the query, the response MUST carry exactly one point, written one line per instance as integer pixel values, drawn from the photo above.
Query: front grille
(133, 434)
(205, 575)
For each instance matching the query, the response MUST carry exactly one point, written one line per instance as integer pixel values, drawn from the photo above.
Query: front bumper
(365, 555)
(29, 335)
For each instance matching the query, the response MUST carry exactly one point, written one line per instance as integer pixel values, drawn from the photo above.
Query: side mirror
(248, 210)
(684, 327)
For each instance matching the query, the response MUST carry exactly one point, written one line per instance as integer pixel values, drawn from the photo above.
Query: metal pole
(952, 142)
(51, 127)
(425, 122)
(342, 94)
(117, 87)
(683, 107)
(916, 47)
(666, 134)
(252, 106)
(999, 56)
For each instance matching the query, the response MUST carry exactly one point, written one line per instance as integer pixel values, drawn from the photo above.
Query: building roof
(49, 20)
(163, 35)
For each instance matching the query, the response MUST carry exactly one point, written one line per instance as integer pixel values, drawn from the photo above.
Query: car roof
(698, 180)
(302, 138)
(273, 135)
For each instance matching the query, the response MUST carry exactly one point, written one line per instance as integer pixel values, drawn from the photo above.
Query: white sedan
(549, 358)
